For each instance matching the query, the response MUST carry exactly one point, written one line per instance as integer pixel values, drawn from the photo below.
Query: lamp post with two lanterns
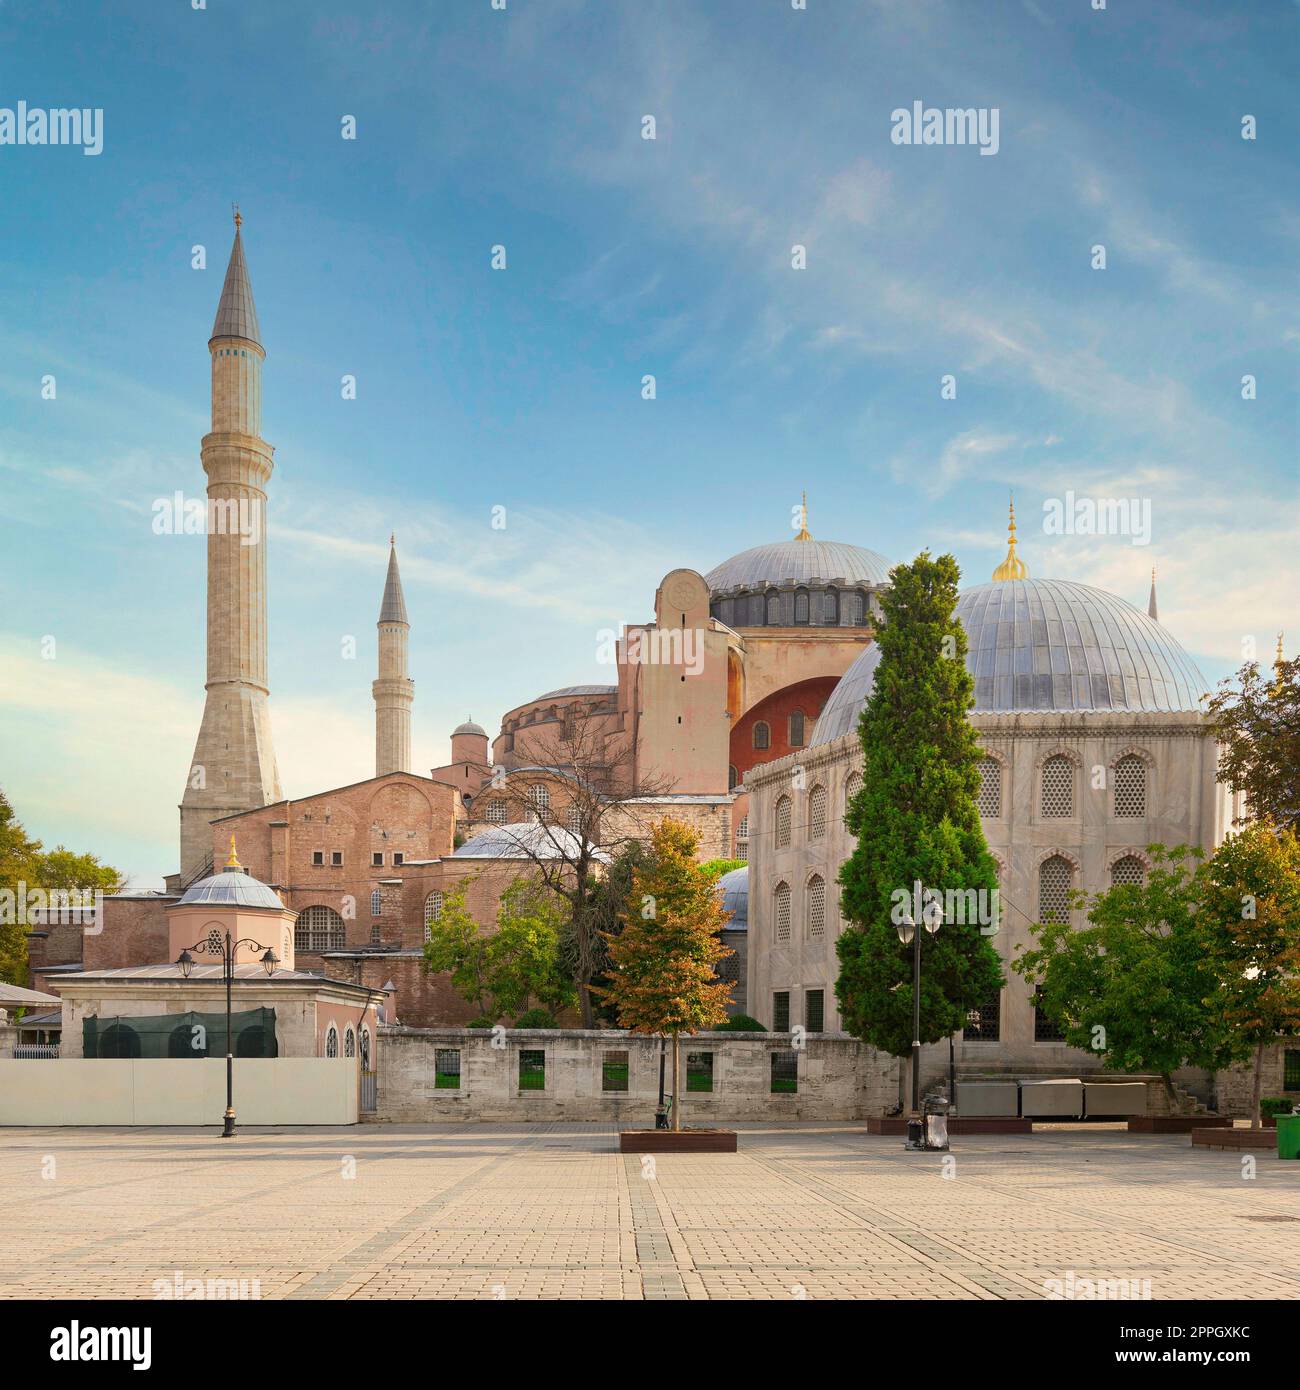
(932, 919)
(214, 945)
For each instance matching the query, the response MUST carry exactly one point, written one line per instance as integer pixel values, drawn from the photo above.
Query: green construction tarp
(180, 1035)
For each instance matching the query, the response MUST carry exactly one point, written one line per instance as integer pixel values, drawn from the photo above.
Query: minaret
(1013, 567)
(233, 768)
(1152, 611)
(394, 690)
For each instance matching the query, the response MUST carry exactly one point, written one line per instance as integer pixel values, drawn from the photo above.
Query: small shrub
(740, 1023)
(535, 1018)
(1276, 1105)
(482, 1023)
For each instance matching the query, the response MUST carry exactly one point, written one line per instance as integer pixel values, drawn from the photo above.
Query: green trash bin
(1288, 1136)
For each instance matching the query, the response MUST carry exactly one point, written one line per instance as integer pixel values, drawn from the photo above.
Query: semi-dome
(232, 888)
(1047, 644)
(734, 887)
(799, 561)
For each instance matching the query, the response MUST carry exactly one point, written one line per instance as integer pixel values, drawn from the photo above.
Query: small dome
(1047, 644)
(735, 898)
(232, 888)
(468, 727)
(800, 561)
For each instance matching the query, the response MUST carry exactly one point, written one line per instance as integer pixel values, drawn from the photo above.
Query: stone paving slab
(552, 1211)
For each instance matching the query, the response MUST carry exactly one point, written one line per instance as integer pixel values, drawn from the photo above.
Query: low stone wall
(837, 1078)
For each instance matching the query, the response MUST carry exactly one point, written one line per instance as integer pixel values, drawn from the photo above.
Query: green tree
(1256, 721)
(715, 868)
(24, 865)
(607, 908)
(1135, 985)
(663, 976)
(1251, 936)
(501, 971)
(916, 822)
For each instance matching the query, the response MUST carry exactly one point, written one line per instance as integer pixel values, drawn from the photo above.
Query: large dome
(1047, 644)
(799, 562)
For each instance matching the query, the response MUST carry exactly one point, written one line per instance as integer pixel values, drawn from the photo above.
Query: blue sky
(522, 388)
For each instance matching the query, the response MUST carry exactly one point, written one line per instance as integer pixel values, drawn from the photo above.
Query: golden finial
(233, 861)
(392, 538)
(804, 533)
(239, 221)
(1013, 567)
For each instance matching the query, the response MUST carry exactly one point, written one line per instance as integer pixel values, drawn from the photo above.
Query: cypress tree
(916, 820)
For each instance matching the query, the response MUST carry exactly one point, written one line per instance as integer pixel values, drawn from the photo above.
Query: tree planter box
(957, 1124)
(1244, 1140)
(685, 1141)
(1176, 1124)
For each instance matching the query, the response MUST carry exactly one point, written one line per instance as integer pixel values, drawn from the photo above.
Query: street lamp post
(214, 945)
(932, 917)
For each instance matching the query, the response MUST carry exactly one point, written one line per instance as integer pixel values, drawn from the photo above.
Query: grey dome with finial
(236, 312)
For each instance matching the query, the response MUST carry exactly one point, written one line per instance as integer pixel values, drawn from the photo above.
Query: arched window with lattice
(817, 800)
(742, 839)
(1130, 787)
(432, 911)
(783, 822)
(852, 787)
(349, 1042)
(990, 792)
(1055, 880)
(796, 729)
(318, 928)
(332, 1041)
(1129, 869)
(573, 820)
(539, 797)
(1058, 788)
(781, 911)
(762, 735)
(815, 908)
(496, 811)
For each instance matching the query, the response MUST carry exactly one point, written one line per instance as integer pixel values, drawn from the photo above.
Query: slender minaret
(233, 768)
(1152, 611)
(394, 690)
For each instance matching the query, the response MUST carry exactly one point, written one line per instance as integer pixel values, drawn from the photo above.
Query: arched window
(1130, 869)
(762, 735)
(365, 1049)
(120, 1040)
(732, 777)
(1058, 788)
(990, 792)
(332, 1041)
(1130, 787)
(859, 610)
(783, 822)
(539, 795)
(256, 1042)
(496, 811)
(817, 813)
(815, 908)
(781, 902)
(852, 786)
(186, 1040)
(573, 820)
(432, 911)
(376, 903)
(756, 607)
(774, 610)
(349, 1042)
(801, 607)
(318, 928)
(796, 729)
(742, 839)
(830, 608)
(1055, 879)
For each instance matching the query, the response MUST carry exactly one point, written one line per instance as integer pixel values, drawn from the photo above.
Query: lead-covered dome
(232, 888)
(1047, 644)
(799, 562)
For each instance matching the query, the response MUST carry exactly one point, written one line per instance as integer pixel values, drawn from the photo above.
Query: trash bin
(936, 1123)
(1288, 1136)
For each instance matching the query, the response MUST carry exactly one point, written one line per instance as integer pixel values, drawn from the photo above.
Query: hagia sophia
(744, 725)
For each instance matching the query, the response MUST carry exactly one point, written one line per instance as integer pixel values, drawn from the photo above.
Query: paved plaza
(552, 1211)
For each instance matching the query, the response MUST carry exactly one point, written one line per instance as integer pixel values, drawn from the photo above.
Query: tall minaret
(394, 690)
(233, 768)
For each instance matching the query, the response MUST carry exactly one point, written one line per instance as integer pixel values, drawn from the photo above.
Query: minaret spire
(1152, 611)
(804, 533)
(393, 690)
(1013, 567)
(233, 768)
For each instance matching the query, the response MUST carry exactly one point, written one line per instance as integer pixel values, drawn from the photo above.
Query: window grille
(1291, 1069)
(984, 1024)
(783, 822)
(376, 903)
(785, 1073)
(816, 907)
(782, 896)
(496, 812)
(1055, 879)
(1130, 869)
(1058, 789)
(1130, 787)
(852, 787)
(1046, 1028)
(796, 729)
(781, 1011)
(446, 1069)
(318, 929)
(332, 1042)
(814, 1010)
(990, 792)
(699, 1071)
(573, 820)
(817, 813)
(773, 610)
(540, 796)
(801, 607)
(349, 1043)
(613, 1071)
(432, 911)
(532, 1069)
